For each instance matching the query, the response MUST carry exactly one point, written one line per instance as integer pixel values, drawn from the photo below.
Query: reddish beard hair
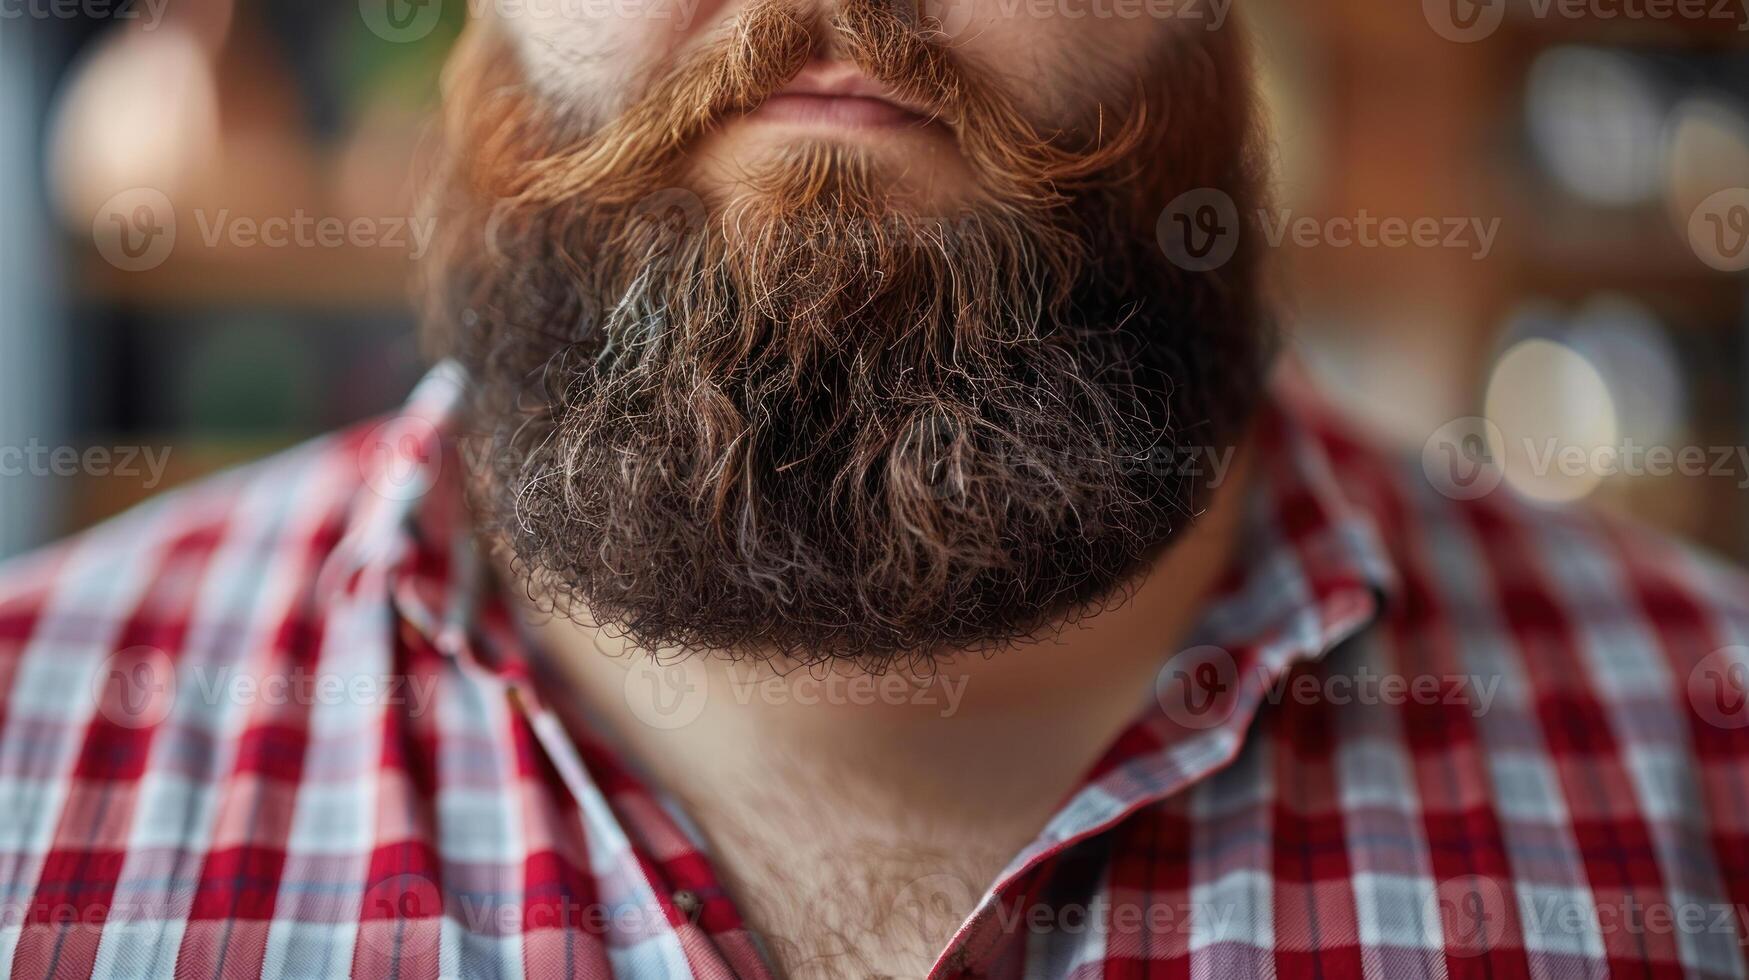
(814, 426)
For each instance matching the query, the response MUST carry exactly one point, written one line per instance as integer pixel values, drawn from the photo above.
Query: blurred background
(204, 243)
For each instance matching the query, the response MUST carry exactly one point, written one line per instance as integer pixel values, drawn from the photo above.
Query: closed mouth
(837, 94)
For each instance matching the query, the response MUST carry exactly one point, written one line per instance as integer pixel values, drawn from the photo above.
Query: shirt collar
(409, 533)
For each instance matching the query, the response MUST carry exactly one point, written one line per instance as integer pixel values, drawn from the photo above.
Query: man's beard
(805, 422)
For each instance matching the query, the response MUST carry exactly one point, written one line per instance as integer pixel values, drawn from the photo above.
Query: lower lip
(849, 111)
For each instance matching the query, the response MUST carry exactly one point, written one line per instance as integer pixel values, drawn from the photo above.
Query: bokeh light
(1556, 419)
(142, 111)
(1596, 121)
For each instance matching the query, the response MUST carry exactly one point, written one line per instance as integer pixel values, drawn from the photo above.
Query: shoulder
(172, 677)
(209, 559)
(1577, 572)
(1564, 603)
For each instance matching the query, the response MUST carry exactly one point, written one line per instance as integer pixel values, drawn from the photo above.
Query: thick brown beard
(814, 426)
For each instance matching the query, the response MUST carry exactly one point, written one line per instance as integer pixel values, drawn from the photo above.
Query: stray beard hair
(807, 422)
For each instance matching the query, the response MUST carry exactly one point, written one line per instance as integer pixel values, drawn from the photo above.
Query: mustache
(761, 50)
(521, 161)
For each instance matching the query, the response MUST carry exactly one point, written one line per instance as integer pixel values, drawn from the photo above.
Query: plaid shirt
(277, 725)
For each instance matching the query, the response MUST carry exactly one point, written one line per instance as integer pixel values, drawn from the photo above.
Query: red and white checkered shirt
(264, 726)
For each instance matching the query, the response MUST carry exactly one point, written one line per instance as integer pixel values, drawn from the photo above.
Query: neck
(947, 733)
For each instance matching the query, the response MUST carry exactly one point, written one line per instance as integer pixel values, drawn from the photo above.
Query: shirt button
(688, 903)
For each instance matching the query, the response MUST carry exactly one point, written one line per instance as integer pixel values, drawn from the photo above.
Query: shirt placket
(980, 943)
(684, 905)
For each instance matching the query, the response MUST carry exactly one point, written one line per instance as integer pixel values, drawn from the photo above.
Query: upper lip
(844, 80)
